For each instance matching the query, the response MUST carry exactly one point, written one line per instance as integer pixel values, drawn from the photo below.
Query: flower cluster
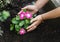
(24, 15)
(21, 22)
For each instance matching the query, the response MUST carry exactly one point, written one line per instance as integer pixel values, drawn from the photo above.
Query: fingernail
(30, 21)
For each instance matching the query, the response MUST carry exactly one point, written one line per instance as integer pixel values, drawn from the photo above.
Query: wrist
(45, 16)
(36, 7)
(41, 18)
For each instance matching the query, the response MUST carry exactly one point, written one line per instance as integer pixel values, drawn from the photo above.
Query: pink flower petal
(22, 31)
(21, 12)
(22, 16)
(28, 15)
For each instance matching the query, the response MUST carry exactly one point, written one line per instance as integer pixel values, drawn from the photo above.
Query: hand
(35, 22)
(31, 8)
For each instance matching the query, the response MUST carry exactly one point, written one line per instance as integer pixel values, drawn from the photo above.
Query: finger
(31, 29)
(24, 8)
(27, 8)
(33, 12)
(33, 20)
(32, 25)
(20, 12)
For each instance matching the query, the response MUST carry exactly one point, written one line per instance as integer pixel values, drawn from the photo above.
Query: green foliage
(4, 15)
(17, 18)
(17, 28)
(21, 23)
(11, 27)
(17, 23)
(14, 21)
(27, 21)
(24, 10)
(3, 3)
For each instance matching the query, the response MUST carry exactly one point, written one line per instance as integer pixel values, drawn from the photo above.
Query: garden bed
(46, 32)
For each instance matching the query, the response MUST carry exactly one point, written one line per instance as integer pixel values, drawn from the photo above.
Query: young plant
(4, 15)
(21, 22)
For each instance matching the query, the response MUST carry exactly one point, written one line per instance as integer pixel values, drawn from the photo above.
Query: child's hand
(35, 22)
(31, 8)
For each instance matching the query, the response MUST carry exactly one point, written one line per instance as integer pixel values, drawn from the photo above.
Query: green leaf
(27, 21)
(17, 18)
(25, 26)
(8, 1)
(11, 27)
(21, 23)
(4, 17)
(0, 14)
(24, 10)
(17, 27)
(1, 18)
(6, 13)
(14, 21)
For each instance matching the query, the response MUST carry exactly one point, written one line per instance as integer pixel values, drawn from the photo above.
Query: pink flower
(22, 31)
(28, 15)
(22, 15)
(21, 12)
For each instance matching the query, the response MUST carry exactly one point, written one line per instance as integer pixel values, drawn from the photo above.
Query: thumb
(33, 20)
(20, 12)
(24, 8)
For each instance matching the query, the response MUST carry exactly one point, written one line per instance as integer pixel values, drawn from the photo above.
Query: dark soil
(49, 31)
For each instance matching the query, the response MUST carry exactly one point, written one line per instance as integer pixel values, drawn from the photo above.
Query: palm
(31, 8)
(36, 21)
